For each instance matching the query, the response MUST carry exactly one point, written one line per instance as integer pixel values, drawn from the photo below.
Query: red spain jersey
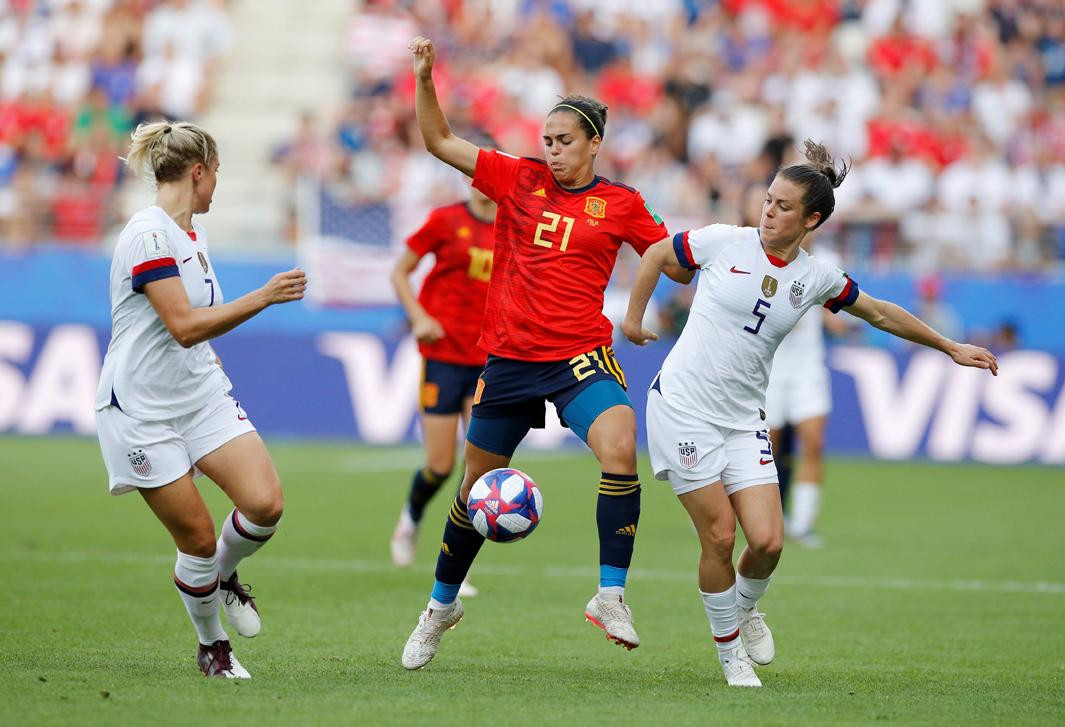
(554, 252)
(455, 289)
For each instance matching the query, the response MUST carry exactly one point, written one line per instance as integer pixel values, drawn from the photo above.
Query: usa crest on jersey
(689, 455)
(795, 296)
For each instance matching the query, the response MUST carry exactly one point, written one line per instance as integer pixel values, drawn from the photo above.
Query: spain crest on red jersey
(595, 206)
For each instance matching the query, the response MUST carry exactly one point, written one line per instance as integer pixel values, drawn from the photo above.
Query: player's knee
(767, 546)
(618, 452)
(265, 511)
(199, 542)
(718, 541)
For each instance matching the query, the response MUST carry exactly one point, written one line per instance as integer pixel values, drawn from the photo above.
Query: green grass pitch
(938, 599)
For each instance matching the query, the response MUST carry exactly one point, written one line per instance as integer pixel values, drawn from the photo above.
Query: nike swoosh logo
(186, 259)
(241, 419)
(741, 272)
(765, 461)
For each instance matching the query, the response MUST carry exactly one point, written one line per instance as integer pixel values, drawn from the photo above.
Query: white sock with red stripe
(196, 580)
(240, 538)
(724, 621)
(749, 590)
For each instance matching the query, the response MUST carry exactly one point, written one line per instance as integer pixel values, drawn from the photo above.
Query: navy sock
(617, 514)
(784, 455)
(460, 547)
(426, 483)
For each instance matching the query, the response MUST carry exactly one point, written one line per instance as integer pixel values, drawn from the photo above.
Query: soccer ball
(505, 505)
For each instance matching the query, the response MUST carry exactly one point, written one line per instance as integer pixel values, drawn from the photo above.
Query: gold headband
(566, 105)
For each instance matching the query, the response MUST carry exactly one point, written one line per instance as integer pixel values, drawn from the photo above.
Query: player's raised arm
(658, 257)
(435, 130)
(190, 326)
(898, 321)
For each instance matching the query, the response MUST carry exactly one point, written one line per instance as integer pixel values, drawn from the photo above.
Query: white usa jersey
(804, 347)
(146, 371)
(745, 303)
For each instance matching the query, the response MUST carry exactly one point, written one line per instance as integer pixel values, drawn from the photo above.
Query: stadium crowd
(953, 111)
(76, 76)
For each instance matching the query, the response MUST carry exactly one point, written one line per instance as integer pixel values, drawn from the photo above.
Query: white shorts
(797, 395)
(152, 454)
(693, 453)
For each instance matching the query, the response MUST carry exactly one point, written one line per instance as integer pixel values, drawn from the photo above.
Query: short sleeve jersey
(554, 251)
(455, 290)
(804, 347)
(145, 370)
(745, 303)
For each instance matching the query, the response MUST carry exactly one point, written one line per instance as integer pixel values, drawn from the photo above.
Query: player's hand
(969, 355)
(427, 329)
(636, 333)
(285, 287)
(424, 57)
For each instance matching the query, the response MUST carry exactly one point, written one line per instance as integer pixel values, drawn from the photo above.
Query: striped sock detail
(728, 637)
(459, 515)
(247, 534)
(196, 591)
(618, 485)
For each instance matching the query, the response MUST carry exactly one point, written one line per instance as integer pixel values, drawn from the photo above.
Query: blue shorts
(511, 396)
(446, 386)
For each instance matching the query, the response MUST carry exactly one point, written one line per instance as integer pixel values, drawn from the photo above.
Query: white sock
(240, 538)
(749, 590)
(618, 591)
(196, 580)
(724, 621)
(805, 504)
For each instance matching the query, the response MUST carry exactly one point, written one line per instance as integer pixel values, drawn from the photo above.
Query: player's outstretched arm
(190, 326)
(898, 321)
(657, 258)
(436, 132)
(423, 326)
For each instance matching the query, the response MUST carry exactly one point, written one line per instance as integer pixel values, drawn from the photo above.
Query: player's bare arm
(678, 274)
(897, 321)
(423, 326)
(190, 326)
(435, 130)
(657, 259)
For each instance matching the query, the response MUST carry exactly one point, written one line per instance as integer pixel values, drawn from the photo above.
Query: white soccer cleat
(423, 642)
(239, 604)
(807, 539)
(756, 636)
(738, 668)
(610, 613)
(404, 540)
(467, 590)
(218, 660)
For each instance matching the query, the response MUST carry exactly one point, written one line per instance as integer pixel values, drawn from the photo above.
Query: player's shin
(240, 538)
(457, 552)
(196, 580)
(425, 484)
(617, 516)
(724, 619)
